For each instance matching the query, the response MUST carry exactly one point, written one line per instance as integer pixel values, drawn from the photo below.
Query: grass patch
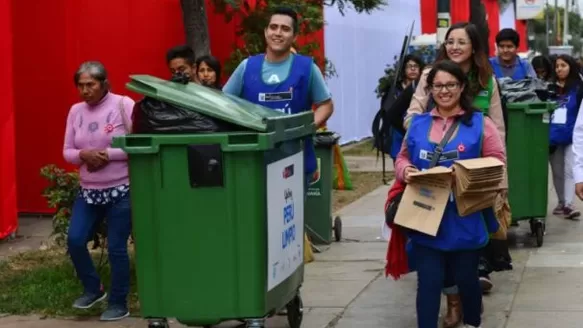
(362, 183)
(45, 283)
(363, 148)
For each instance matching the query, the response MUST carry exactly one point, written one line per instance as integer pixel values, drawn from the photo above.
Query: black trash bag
(155, 116)
(326, 139)
(526, 90)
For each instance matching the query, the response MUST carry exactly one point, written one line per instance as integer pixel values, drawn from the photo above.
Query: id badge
(559, 115)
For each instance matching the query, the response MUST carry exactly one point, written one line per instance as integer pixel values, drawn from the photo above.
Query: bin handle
(294, 133)
(153, 149)
(535, 111)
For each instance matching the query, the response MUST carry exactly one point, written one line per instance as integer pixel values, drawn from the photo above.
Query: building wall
(8, 220)
(51, 39)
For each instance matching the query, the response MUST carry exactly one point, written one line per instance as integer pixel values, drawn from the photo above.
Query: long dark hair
(480, 63)
(454, 69)
(573, 80)
(542, 62)
(214, 64)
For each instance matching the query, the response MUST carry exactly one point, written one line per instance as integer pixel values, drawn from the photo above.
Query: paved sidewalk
(345, 287)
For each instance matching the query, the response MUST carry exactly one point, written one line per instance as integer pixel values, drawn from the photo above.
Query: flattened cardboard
(424, 200)
(471, 203)
(477, 182)
(481, 163)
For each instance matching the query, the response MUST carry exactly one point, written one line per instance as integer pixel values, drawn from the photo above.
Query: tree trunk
(478, 18)
(196, 26)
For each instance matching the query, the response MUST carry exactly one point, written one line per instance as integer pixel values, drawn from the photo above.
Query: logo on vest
(461, 148)
(273, 79)
(445, 156)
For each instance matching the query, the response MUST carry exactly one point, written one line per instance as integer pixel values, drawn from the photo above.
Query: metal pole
(547, 23)
(566, 23)
(443, 20)
(556, 23)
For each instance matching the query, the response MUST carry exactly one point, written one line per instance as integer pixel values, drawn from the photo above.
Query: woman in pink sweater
(104, 191)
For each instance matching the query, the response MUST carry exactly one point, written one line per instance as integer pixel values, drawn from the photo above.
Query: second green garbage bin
(528, 163)
(318, 213)
(218, 217)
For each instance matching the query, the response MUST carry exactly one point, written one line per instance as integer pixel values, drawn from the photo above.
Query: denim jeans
(451, 288)
(84, 219)
(431, 270)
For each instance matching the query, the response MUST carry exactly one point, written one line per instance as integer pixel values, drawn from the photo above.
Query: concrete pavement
(345, 287)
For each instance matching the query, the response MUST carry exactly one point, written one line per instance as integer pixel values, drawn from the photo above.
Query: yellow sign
(443, 22)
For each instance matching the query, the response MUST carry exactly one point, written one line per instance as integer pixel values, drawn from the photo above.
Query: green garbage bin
(318, 210)
(218, 217)
(528, 158)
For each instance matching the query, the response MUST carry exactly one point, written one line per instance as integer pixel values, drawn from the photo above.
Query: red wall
(460, 12)
(520, 26)
(493, 14)
(8, 221)
(51, 39)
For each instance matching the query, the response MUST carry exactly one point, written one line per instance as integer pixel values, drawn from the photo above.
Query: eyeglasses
(448, 86)
(460, 42)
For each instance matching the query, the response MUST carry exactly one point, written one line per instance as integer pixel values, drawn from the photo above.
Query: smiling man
(283, 81)
(508, 63)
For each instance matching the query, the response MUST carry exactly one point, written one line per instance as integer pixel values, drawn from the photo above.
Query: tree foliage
(252, 23)
(539, 29)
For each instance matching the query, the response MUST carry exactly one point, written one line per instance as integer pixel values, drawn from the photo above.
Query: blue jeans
(85, 218)
(431, 265)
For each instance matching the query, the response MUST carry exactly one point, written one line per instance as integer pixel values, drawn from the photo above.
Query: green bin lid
(204, 100)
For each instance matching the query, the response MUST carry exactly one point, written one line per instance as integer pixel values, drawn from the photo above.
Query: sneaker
(115, 313)
(87, 300)
(570, 213)
(486, 284)
(559, 209)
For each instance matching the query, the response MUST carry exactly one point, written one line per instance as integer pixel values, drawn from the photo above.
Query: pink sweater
(93, 127)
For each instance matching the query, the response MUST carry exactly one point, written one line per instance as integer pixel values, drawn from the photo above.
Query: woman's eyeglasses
(460, 43)
(448, 86)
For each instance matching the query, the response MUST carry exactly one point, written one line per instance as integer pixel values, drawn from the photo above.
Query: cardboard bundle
(424, 200)
(477, 182)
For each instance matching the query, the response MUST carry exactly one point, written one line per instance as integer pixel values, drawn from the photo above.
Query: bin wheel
(158, 323)
(295, 312)
(540, 233)
(337, 228)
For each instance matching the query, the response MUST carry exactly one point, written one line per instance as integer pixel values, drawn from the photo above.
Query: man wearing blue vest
(508, 63)
(283, 81)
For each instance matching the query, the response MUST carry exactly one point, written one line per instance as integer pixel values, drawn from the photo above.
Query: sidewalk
(345, 286)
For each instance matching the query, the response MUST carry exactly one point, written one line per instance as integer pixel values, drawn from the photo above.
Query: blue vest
(562, 133)
(290, 96)
(396, 136)
(455, 232)
(520, 70)
(396, 143)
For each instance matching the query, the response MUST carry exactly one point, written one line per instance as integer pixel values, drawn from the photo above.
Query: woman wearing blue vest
(463, 46)
(459, 240)
(570, 92)
(410, 75)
